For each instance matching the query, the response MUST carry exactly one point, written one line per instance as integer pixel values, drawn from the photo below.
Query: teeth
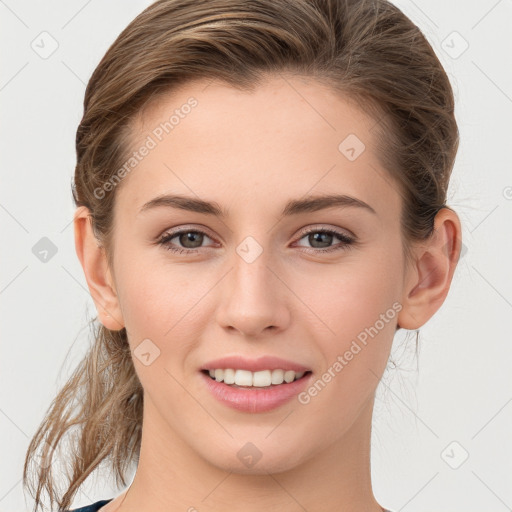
(259, 379)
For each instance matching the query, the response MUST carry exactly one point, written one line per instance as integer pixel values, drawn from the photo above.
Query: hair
(367, 50)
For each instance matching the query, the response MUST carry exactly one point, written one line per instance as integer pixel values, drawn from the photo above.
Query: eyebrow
(293, 207)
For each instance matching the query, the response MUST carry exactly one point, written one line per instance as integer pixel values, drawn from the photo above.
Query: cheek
(160, 322)
(354, 326)
(352, 312)
(163, 305)
(350, 295)
(152, 294)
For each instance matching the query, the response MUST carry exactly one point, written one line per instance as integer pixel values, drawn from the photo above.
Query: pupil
(189, 237)
(317, 237)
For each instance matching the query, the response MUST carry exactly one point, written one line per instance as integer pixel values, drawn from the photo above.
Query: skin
(251, 153)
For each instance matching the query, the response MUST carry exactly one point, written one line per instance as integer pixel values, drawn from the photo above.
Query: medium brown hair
(367, 50)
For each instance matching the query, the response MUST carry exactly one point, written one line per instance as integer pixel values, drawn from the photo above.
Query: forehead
(288, 137)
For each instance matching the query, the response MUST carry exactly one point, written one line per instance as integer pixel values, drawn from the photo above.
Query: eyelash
(347, 242)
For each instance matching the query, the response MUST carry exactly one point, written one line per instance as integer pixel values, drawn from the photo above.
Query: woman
(260, 190)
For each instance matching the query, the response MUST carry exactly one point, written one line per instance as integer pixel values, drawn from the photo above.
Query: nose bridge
(252, 298)
(251, 277)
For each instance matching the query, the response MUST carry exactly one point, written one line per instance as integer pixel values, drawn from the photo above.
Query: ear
(98, 275)
(428, 280)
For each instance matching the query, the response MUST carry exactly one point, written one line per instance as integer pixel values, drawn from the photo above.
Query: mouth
(260, 380)
(255, 392)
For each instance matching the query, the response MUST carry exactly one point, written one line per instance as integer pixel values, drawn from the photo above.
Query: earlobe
(97, 274)
(428, 281)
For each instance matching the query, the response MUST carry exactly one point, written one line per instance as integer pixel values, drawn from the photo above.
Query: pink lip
(255, 399)
(254, 365)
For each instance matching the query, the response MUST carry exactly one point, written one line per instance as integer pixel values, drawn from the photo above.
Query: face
(318, 286)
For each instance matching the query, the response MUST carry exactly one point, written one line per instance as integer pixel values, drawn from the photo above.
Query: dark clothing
(96, 506)
(91, 508)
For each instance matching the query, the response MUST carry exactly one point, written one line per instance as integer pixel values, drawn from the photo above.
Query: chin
(250, 460)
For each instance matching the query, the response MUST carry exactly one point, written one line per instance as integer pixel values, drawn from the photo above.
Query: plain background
(441, 437)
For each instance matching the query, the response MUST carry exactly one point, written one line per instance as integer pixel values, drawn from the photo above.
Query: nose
(255, 298)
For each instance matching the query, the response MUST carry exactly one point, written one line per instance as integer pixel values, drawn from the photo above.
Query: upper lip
(254, 365)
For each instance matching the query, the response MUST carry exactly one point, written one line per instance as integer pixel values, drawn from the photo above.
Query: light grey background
(453, 401)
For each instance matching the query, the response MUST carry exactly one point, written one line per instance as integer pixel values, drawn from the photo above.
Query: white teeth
(229, 376)
(259, 379)
(277, 376)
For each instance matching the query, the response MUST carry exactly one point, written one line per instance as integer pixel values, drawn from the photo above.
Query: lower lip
(255, 399)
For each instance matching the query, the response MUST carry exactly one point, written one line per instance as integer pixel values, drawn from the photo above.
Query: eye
(190, 238)
(324, 237)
